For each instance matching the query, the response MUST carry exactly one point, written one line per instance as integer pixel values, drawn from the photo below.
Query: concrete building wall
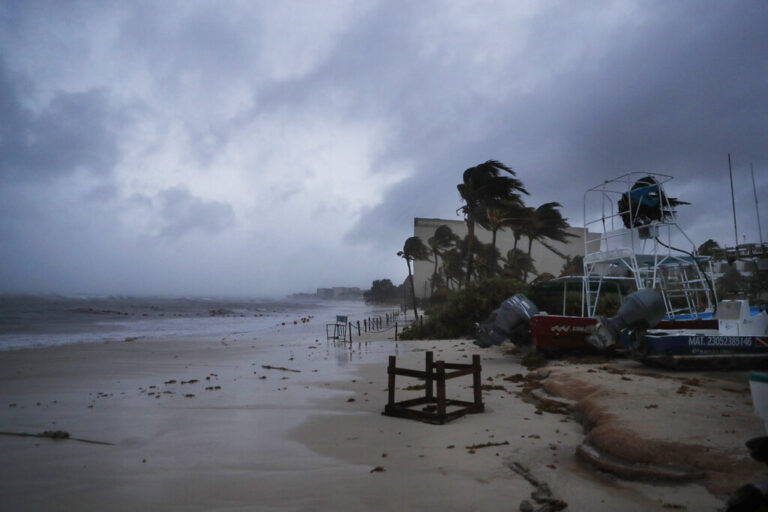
(544, 259)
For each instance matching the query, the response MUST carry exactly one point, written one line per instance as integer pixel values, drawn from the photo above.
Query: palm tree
(484, 186)
(507, 213)
(547, 224)
(443, 239)
(519, 223)
(487, 258)
(453, 266)
(573, 266)
(413, 249)
(517, 264)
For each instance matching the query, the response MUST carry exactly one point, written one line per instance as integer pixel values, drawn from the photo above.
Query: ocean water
(33, 320)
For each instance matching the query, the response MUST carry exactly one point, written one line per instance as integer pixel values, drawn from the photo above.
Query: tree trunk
(470, 249)
(413, 289)
(491, 263)
(434, 273)
(530, 245)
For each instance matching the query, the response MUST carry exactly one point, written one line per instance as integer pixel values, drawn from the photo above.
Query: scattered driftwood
(54, 434)
(485, 445)
(282, 368)
(541, 495)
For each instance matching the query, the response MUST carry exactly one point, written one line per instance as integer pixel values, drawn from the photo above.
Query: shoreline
(274, 439)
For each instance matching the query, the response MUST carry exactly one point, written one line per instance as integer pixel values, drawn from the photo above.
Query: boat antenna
(733, 203)
(757, 211)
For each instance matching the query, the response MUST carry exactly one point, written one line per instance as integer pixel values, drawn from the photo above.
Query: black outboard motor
(643, 309)
(515, 312)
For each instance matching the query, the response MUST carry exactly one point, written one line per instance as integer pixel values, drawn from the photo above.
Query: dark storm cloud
(156, 100)
(674, 94)
(72, 131)
(181, 213)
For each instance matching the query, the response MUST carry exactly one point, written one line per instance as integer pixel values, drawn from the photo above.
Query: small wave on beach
(45, 320)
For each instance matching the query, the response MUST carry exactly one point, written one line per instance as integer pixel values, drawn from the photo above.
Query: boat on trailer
(633, 242)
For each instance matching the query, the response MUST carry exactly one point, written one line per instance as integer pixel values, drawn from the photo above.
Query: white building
(544, 259)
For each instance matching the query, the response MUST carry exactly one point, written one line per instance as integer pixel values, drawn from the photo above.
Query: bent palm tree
(413, 249)
(441, 241)
(518, 264)
(547, 223)
(453, 266)
(484, 186)
(507, 213)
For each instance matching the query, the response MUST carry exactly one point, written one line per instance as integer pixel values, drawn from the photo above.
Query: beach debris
(485, 445)
(350, 399)
(542, 494)
(56, 435)
(281, 368)
(492, 387)
(635, 471)
(433, 407)
(378, 469)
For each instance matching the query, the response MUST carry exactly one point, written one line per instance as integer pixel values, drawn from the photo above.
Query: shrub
(463, 308)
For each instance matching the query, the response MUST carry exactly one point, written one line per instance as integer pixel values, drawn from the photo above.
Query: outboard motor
(643, 309)
(515, 312)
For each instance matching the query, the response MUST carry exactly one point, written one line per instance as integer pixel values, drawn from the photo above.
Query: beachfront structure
(339, 292)
(544, 259)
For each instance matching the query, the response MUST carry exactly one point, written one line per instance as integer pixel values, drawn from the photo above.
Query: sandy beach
(287, 421)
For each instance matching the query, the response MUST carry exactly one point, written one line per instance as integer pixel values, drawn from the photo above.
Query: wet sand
(211, 424)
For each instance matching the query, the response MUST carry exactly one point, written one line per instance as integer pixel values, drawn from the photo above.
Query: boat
(636, 252)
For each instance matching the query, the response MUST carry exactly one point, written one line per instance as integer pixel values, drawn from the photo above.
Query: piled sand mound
(661, 425)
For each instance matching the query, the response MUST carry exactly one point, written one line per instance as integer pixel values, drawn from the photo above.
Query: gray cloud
(73, 131)
(181, 213)
(155, 101)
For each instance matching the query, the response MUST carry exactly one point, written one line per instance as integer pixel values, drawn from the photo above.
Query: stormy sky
(263, 148)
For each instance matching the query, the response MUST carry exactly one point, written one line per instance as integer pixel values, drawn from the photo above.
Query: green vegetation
(457, 315)
(483, 187)
(384, 292)
(413, 249)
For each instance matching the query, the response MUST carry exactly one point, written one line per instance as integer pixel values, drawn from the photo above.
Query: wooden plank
(440, 371)
(476, 379)
(456, 366)
(415, 401)
(459, 373)
(428, 384)
(407, 372)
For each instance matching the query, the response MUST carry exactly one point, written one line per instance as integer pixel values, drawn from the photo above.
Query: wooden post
(391, 385)
(476, 382)
(440, 367)
(428, 382)
(365, 324)
(395, 331)
(350, 332)
(358, 327)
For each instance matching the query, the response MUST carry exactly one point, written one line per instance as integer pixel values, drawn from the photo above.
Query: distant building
(340, 292)
(544, 259)
(748, 259)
